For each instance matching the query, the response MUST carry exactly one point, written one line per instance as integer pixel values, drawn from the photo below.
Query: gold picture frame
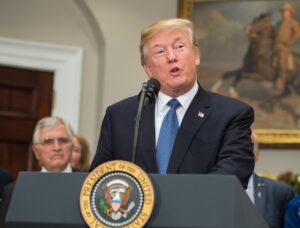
(268, 137)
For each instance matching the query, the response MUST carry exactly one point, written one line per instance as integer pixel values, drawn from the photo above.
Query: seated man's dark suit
(271, 199)
(6, 196)
(214, 137)
(5, 178)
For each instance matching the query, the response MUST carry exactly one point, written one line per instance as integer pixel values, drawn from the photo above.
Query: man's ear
(36, 152)
(148, 70)
(197, 56)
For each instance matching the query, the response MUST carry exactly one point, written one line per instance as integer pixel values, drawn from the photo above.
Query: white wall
(278, 161)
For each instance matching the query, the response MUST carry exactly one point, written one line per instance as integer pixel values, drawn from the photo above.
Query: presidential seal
(117, 194)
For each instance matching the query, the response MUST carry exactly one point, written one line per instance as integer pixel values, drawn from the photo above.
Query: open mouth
(174, 70)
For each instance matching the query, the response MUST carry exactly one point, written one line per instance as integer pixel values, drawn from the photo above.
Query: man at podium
(187, 129)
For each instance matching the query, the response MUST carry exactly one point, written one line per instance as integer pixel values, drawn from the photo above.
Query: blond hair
(161, 25)
(84, 152)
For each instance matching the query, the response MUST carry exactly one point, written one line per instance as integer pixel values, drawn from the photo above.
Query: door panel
(25, 97)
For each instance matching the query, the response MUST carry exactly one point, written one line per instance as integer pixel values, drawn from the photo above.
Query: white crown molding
(64, 61)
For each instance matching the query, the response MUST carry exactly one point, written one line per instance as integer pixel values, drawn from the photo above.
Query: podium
(181, 200)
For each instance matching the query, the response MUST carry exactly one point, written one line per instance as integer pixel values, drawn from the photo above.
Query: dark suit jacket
(292, 215)
(218, 142)
(271, 199)
(5, 178)
(6, 196)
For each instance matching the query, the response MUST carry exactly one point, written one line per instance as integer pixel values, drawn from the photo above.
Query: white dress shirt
(161, 107)
(250, 189)
(68, 169)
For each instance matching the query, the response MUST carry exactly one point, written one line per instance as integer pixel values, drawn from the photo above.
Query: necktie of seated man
(166, 138)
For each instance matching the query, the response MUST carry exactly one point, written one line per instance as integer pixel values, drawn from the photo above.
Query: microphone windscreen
(154, 84)
(152, 89)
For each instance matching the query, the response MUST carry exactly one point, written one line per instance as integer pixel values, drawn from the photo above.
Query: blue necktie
(166, 138)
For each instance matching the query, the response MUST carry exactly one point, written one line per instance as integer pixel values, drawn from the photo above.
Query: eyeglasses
(62, 141)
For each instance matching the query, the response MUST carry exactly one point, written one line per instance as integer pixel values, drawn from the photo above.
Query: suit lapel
(194, 117)
(146, 146)
(259, 193)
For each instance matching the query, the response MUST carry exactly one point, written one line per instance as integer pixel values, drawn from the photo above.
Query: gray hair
(49, 122)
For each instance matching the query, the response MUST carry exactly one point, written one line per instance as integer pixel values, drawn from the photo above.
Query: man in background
(270, 197)
(287, 33)
(187, 129)
(52, 146)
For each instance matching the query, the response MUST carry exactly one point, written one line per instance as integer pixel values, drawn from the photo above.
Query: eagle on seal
(117, 194)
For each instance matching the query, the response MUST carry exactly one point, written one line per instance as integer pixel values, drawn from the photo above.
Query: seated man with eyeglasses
(52, 146)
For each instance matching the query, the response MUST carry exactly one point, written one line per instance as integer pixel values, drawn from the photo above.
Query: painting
(241, 57)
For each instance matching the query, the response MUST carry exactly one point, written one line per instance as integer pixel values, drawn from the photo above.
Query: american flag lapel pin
(200, 114)
(259, 194)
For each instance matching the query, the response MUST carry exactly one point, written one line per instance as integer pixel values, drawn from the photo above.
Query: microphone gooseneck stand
(138, 121)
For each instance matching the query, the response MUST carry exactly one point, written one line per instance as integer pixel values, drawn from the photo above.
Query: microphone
(152, 88)
(147, 96)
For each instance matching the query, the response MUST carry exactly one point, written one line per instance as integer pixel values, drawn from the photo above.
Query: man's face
(54, 148)
(286, 13)
(171, 59)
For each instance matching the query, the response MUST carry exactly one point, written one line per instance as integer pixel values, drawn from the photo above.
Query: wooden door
(25, 97)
